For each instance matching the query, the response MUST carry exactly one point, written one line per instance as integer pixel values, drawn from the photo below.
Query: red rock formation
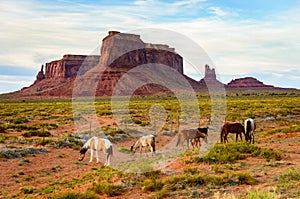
(40, 76)
(120, 53)
(209, 78)
(68, 66)
(249, 83)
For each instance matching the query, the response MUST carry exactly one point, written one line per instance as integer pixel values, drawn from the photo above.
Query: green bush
(36, 133)
(20, 120)
(27, 190)
(152, 185)
(291, 175)
(2, 128)
(108, 188)
(262, 194)
(74, 195)
(232, 152)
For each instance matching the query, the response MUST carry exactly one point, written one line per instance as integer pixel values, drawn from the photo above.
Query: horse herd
(190, 136)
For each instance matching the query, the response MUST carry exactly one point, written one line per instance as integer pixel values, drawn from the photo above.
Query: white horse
(96, 144)
(250, 129)
(144, 141)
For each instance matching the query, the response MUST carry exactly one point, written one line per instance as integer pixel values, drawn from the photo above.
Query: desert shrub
(190, 171)
(17, 127)
(27, 190)
(152, 185)
(164, 192)
(153, 174)
(36, 133)
(291, 175)
(182, 181)
(19, 120)
(263, 194)
(43, 141)
(110, 189)
(232, 152)
(3, 137)
(74, 195)
(222, 154)
(124, 150)
(245, 178)
(2, 128)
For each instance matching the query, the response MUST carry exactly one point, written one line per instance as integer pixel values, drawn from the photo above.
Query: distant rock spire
(209, 73)
(40, 76)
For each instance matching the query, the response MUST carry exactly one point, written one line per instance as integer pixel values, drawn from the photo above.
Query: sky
(245, 38)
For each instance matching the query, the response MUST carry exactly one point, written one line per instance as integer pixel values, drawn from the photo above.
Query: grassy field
(267, 169)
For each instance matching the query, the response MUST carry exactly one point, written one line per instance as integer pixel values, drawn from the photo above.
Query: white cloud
(218, 11)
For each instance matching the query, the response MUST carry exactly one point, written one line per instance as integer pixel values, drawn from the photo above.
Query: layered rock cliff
(67, 67)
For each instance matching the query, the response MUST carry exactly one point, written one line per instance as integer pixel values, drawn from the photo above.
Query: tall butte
(120, 52)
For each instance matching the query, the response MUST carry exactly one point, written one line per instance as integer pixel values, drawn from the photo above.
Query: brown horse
(236, 128)
(201, 133)
(188, 135)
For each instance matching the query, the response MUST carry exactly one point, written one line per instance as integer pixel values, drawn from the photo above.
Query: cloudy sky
(243, 38)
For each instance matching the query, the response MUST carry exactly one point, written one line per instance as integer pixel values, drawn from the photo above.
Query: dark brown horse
(236, 128)
(201, 133)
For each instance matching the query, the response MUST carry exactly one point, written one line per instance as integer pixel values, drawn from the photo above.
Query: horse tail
(178, 139)
(248, 129)
(222, 132)
(248, 126)
(153, 144)
(111, 150)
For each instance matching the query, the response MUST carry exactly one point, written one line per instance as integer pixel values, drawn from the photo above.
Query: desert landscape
(42, 132)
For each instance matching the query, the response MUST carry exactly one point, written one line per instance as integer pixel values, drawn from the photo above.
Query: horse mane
(83, 150)
(88, 143)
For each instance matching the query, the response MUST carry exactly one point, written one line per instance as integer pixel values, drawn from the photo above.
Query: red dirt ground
(60, 165)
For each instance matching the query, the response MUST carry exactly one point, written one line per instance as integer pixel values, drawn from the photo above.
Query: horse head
(82, 154)
(132, 149)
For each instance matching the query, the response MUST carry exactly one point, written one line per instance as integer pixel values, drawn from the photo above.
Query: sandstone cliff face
(67, 67)
(126, 51)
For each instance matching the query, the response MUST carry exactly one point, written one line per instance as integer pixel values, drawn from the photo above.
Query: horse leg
(152, 149)
(141, 151)
(91, 158)
(187, 142)
(225, 138)
(97, 156)
(241, 136)
(106, 160)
